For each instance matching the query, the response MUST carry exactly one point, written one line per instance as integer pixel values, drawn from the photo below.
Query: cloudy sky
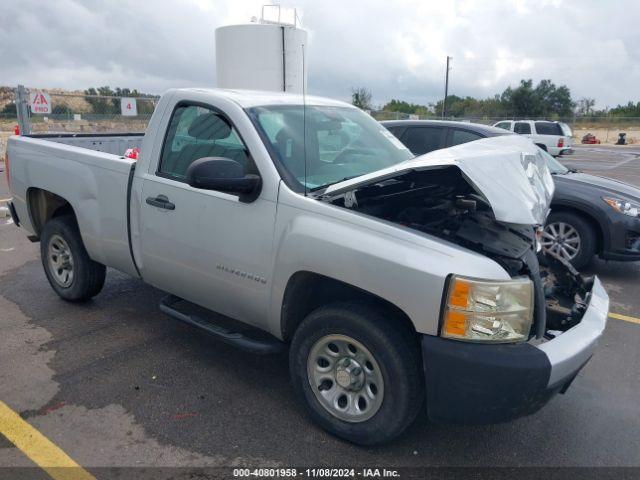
(397, 49)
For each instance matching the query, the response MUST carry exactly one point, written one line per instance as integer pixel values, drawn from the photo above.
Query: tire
(394, 357)
(70, 271)
(587, 241)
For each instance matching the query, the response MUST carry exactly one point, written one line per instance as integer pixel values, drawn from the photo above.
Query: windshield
(554, 165)
(341, 143)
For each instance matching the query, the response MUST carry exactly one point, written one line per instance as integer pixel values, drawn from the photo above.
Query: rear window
(548, 128)
(522, 128)
(504, 125)
(566, 129)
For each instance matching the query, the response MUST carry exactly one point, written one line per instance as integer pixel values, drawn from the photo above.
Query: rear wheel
(358, 370)
(571, 237)
(70, 271)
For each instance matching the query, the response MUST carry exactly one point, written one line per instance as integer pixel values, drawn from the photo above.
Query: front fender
(402, 266)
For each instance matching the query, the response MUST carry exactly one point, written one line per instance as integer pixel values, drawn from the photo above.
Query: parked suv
(549, 136)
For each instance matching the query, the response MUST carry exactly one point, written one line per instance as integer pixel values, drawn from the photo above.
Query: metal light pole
(22, 109)
(446, 88)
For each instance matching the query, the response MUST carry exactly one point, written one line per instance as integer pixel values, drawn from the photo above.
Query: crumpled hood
(509, 171)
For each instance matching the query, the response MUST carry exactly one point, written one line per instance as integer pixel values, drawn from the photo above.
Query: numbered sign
(128, 107)
(40, 103)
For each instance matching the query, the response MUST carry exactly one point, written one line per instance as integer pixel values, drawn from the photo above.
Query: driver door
(204, 245)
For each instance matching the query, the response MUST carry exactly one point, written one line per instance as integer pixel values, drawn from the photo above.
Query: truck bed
(91, 174)
(115, 143)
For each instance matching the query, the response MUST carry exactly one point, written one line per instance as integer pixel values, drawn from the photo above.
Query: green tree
(10, 109)
(101, 105)
(521, 100)
(544, 100)
(61, 110)
(553, 100)
(409, 108)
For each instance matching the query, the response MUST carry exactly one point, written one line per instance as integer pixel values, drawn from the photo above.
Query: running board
(262, 346)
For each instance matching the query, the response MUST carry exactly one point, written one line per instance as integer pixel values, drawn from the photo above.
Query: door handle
(161, 201)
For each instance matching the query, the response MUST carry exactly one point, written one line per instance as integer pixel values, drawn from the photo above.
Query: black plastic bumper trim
(471, 383)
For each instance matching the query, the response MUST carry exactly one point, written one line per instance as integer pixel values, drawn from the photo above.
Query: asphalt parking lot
(114, 382)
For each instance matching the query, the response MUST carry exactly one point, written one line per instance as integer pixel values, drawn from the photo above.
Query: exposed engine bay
(443, 203)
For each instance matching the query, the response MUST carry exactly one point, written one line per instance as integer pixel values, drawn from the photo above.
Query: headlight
(488, 311)
(623, 206)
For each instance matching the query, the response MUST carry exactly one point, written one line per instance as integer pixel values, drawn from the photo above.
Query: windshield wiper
(327, 185)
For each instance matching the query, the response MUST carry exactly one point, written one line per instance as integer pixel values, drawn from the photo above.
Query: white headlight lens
(488, 311)
(623, 206)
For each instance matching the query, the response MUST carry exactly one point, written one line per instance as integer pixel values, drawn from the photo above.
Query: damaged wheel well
(43, 206)
(307, 291)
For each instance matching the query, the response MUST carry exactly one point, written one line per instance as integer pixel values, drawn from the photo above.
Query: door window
(395, 130)
(422, 140)
(463, 136)
(196, 132)
(504, 125)
(522, 128)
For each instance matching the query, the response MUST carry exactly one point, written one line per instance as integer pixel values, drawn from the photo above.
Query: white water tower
(263, 55)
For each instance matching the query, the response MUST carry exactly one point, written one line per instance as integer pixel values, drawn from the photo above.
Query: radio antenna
(304, 119)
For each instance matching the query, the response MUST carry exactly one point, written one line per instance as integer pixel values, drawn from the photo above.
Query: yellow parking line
(39, 449)
(626, 318)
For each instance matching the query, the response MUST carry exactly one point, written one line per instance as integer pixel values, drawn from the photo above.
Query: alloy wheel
(562, 239)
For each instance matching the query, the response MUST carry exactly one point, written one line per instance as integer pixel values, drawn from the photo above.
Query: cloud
(397, 49)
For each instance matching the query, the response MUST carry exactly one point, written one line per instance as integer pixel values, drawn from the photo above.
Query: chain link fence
(72, 112)
(79, 112)
(83, 113)
(92, 112)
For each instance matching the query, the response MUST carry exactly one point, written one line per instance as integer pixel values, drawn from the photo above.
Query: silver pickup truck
(397, 283)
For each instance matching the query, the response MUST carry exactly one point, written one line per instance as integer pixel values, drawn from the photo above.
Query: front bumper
(479, 383)
(624, 239)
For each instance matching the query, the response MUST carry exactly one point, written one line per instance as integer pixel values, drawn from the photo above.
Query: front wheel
(571, 237)
(69, 269)
(358, 370)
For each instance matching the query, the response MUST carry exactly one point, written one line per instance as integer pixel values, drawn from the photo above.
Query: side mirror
(223, 175)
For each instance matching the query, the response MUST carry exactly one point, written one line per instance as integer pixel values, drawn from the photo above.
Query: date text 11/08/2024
(316, 472)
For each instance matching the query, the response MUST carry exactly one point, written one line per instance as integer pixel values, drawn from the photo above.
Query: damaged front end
(567, 294)
(444, 200)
